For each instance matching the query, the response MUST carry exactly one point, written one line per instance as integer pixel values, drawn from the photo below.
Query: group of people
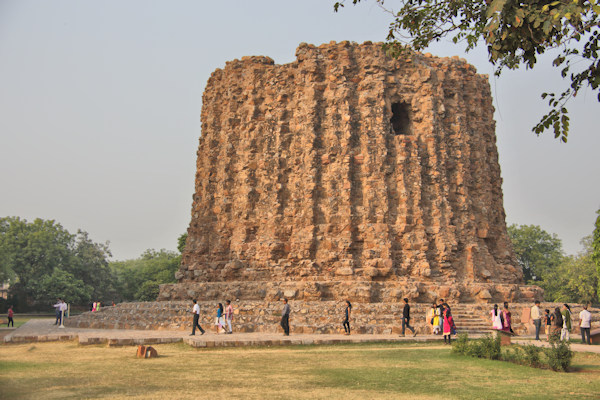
(560, 322)
(439, 317)
(223, 318)
(501, 319)
(60, 309)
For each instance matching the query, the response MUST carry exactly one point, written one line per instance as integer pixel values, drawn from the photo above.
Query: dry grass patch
(374, 371)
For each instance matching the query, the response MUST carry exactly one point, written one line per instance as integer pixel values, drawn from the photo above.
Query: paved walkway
(44, 330)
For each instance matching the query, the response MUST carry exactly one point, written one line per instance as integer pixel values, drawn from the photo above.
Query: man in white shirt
(585, 323)
(196, 312)
(536, 317)
(63, 310)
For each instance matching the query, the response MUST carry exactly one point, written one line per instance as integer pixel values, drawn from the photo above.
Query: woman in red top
(448, 325)
(10, 317)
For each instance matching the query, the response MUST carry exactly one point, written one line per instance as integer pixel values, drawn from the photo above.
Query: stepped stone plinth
(348, 174)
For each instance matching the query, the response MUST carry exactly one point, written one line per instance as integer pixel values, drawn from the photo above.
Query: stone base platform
(307, 317)
(356, 291)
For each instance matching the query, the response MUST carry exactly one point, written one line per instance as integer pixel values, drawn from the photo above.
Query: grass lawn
(372, 371)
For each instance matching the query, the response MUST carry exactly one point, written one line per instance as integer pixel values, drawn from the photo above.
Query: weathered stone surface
(319, 316)
(347, 165)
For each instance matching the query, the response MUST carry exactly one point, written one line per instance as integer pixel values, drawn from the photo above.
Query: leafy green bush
(490, 347)
(461, 344)
(559, 355)
(514, 355)
(148, 291)
(486, 347)
(531, 355)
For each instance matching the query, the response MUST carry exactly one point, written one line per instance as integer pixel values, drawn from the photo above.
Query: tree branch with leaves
(515, 33)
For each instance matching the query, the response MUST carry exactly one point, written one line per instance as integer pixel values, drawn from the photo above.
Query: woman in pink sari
(448, 326)
(506, 316)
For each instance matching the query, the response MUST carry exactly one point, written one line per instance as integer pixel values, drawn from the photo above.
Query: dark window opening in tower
(400, 121)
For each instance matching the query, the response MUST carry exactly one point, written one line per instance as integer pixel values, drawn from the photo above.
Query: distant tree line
(42, 261)
(564, 278)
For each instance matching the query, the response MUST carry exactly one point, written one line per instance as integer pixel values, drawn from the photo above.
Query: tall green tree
(575, 279)
(139, 279)
(537, 251)
(515, 33)
(45, 261)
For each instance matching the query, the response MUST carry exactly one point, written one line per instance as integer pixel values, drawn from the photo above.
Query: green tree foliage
(537, 251)
(596, 248)
(138, 279)
(45, 261)
(515, 33)
(575, 279)
(181, 242)
(63, 284)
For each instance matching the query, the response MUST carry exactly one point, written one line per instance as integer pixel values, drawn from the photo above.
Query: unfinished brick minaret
(348, 174)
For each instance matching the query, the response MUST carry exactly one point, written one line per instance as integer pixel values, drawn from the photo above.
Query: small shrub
(486, 347)
(514, 355)
(559, 355)
(461, 344)
(531, 355)
(490, 347)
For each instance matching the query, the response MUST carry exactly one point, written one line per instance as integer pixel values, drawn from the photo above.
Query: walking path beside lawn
(44, 330)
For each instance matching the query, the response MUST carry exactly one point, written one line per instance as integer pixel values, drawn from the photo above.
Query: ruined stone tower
(348, 174)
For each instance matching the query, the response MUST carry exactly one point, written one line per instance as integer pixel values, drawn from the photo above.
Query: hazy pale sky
(100, 104)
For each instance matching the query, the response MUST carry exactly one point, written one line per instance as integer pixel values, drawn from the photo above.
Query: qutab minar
(348, 174)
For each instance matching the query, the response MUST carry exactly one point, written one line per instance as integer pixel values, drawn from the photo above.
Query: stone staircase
(471, 319)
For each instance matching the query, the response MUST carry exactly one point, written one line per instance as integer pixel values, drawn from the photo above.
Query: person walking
(11, 321)
(566, 328)
(229, 315)
(585, 323)
(196, 312)
(347, 318)
(536, 317)
(448, 326)
(219, 321)
(406, 318)
(285, 318)
(496, 316)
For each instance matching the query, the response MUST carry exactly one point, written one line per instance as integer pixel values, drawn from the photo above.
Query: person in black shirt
(285, 318)
(406, 318)
(347, 320)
